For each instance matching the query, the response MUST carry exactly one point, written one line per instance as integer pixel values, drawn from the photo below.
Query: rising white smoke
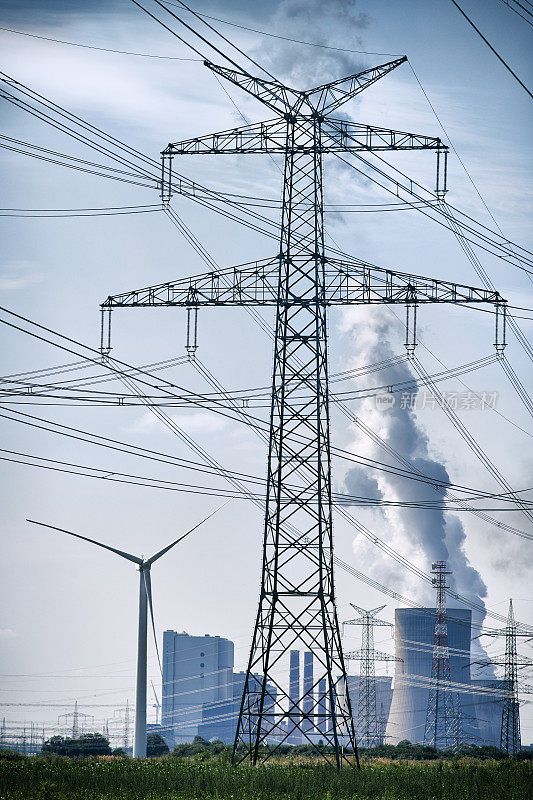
(422, 536)
(336, 23)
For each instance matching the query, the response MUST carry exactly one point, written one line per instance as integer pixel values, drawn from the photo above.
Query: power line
(202, 18)
(78, 212)
(498, 56)
(118, 371)
(290, 39)
(93, 47)
(512, 5)
(191, 443)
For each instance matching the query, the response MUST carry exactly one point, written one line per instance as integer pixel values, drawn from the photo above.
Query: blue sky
(66, 606)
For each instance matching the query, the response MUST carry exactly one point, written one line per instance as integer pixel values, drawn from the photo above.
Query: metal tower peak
(320, 100)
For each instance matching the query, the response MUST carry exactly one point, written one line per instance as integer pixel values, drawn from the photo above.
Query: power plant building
(414, 634)
(201, 693)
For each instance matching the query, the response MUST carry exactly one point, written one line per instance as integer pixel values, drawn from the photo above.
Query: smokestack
(322, 707)
(308, 703)
(294, 692)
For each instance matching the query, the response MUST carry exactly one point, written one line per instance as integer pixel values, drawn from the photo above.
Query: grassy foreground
(172, 779)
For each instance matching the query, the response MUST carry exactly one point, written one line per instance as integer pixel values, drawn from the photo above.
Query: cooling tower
(414, 632)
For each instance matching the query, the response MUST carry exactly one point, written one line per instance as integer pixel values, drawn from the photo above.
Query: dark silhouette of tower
(443, 718)
(369, 725)
(511, 663)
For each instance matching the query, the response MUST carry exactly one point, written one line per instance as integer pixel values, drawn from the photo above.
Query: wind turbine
(145, 598)
(156, 705)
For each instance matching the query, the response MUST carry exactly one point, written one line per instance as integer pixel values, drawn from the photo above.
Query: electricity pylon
(297, 598)
(369, 729)
(511, 662)
(76, 715)
(443, 717)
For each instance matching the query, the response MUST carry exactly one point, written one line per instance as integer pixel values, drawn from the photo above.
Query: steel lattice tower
(443, 718)
(510, 733)
(369, 726)
(511, 663)
(297, 598)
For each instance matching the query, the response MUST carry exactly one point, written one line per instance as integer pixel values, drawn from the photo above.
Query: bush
(156, 745)
(90, 744)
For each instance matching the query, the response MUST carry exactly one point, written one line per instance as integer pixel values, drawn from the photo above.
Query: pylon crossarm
(344, 136)
(230, 286)
(261, 137)
(346, 283)
(377, 655)
(270, 136)
(375, 622)
(330, 96)
(271, 93)
(322, 99)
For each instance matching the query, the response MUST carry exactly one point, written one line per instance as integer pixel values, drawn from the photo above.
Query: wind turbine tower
(145, 600)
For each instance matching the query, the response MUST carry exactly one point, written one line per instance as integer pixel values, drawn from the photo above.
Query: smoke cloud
(335, 24)
(423, 536)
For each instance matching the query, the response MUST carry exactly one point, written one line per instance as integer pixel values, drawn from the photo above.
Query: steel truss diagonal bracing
(297, 608)
(443, 718)
(370, 727)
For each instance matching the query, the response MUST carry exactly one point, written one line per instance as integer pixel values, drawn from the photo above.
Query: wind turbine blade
(158, 704)
(128, 556)
(162, 552)
(148, 589)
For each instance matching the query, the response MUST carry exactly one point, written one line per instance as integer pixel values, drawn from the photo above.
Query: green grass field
(185, 779)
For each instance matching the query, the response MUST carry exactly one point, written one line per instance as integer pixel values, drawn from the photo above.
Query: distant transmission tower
(511, 662)
(369, 726)
(443, 718)
(76, 716)
(510, 732)
(297, 599)
(126, 739)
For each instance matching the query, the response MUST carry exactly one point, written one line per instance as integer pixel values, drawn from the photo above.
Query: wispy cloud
(196, 422)
(18, 275)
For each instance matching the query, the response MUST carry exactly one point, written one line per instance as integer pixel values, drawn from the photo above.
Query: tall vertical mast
(443, 718)
(297, 598)
(369, 730)
(510, 731)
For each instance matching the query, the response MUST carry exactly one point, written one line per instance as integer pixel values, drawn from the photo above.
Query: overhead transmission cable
(187, 187)
(132, 371)
(478, 450)
(291, 39)
(467, 437)
(94, 47)
(203, 38)
(201, 18)
(514, 5)
(204, 455)
(498, 56)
